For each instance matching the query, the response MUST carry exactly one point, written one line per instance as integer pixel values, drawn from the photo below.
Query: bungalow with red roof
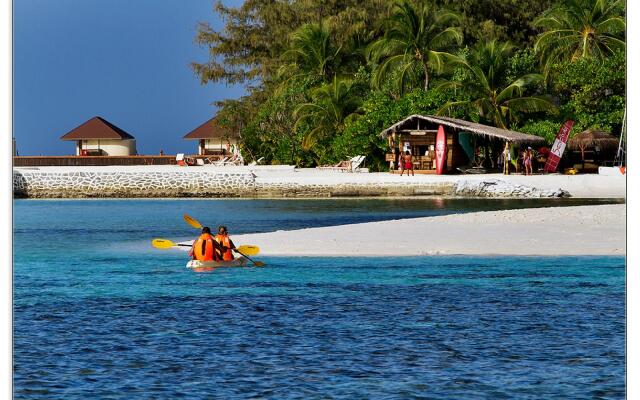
(99, 137)
(213, 138)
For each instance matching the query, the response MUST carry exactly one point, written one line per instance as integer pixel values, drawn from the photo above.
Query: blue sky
(126, 61)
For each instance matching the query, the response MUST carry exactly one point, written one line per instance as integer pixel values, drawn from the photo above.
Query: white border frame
(6, 198)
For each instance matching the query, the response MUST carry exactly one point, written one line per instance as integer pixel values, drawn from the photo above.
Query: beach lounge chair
(356, 163)
(350, 165)
(233, 160)
(255, 162)
(221, 162)
(238, 160)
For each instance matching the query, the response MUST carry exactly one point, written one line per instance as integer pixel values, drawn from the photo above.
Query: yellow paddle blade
(258, 264)
(192, 221)
(162, 243)
(249, 250)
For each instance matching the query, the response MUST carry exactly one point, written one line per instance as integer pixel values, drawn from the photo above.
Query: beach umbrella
(592, 138)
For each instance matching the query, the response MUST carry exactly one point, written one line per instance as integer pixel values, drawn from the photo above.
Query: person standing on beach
(506, 154)
(400, 162)
(528, 155)
(225, 243)
(408, 163)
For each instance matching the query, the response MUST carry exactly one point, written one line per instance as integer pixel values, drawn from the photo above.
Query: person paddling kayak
(225, 243)
(206, 247)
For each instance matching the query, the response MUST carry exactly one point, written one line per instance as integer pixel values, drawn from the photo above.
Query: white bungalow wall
(219, 144)
(110, 147)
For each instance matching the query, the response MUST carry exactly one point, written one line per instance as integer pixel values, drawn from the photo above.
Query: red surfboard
(558, 147)
(441, 150)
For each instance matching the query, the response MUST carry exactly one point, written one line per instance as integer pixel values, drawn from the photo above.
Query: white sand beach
(581, 230)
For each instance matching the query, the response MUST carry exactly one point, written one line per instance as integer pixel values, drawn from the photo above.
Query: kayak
(238, 262)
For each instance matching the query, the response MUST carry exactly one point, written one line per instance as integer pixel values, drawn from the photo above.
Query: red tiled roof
(210, 130)
(96, 128)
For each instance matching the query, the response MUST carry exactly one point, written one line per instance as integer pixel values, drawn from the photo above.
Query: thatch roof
(96, 128)
(486, 130)
(210, 130)
(591, 138)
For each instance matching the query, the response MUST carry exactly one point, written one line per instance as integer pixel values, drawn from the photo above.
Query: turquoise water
(99, 313)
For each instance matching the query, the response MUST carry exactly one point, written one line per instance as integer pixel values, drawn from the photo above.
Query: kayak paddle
(167, 244)
(256, 263)
(192, 222)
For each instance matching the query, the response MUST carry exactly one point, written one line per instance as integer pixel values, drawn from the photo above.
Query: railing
(77, 161)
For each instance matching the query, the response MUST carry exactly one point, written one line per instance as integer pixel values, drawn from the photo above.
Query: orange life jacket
(226, 242)
(203, 248)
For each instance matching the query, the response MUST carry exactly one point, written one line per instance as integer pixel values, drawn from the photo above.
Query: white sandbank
(581, 230)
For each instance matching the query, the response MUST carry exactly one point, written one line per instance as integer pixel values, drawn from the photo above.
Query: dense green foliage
(493, 96)
(325, 77)
(577, 29)
(415, 39)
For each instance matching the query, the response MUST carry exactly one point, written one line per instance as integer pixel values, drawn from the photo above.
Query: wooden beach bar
(468, 144)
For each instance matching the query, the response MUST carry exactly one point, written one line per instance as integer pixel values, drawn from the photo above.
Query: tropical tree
(415, 38)
(492, 96)
(498, 19)
(576, 29)
(325, 115)
(312, 53)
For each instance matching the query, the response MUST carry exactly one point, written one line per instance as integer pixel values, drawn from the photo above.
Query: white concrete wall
(111, 147)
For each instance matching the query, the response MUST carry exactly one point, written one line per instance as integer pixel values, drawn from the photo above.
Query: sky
(126, 61)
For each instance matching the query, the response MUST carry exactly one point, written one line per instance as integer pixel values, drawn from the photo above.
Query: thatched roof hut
(592, 138)
(601, 142)
(408, 124)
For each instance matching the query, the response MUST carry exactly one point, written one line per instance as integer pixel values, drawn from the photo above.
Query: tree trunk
(426, 76)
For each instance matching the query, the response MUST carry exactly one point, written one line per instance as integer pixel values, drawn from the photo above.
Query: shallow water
(97, 316)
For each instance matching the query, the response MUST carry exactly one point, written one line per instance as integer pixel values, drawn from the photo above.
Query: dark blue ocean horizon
(99, 313)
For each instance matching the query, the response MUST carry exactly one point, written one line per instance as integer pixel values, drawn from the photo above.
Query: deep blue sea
(99, 313)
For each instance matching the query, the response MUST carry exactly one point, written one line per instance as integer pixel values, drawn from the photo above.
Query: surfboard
(441, 150)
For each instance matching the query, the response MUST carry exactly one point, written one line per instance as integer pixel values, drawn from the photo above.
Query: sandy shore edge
(552, 231)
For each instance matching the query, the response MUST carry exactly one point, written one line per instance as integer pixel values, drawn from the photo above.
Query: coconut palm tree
(415, 39)
(312, 53)
(332, 104)
(493, 97)
(580, 28)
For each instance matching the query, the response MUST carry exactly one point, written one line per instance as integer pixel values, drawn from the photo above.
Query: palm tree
(493, 97)
(332, 104)
(580, 28)
(414, 40)
(312, 53)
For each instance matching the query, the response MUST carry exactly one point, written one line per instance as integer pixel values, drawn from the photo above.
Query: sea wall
(40, 184)
(172, 182)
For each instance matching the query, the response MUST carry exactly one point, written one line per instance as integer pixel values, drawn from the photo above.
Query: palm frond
(531, 104)
(516, 88)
